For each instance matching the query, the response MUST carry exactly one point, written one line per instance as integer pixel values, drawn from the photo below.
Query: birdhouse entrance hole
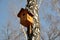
(23, 14)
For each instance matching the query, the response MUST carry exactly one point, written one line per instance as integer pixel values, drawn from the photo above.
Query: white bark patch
(33, 2)
(35, 13)
(30, 2)
(36, 8)
(36, 5)
(31, 6)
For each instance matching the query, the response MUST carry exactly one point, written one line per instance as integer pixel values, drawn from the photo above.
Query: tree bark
(32, 7)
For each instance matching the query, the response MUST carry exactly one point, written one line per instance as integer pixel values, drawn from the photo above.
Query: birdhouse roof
(22, 10)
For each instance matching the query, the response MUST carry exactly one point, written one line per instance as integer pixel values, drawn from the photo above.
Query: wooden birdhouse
(26, 18)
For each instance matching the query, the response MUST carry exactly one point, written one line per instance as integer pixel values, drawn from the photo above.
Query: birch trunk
(32, 7)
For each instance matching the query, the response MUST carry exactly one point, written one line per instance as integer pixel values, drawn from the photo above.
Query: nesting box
(26, 18)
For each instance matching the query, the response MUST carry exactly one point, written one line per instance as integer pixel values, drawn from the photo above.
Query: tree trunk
(33, 8)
